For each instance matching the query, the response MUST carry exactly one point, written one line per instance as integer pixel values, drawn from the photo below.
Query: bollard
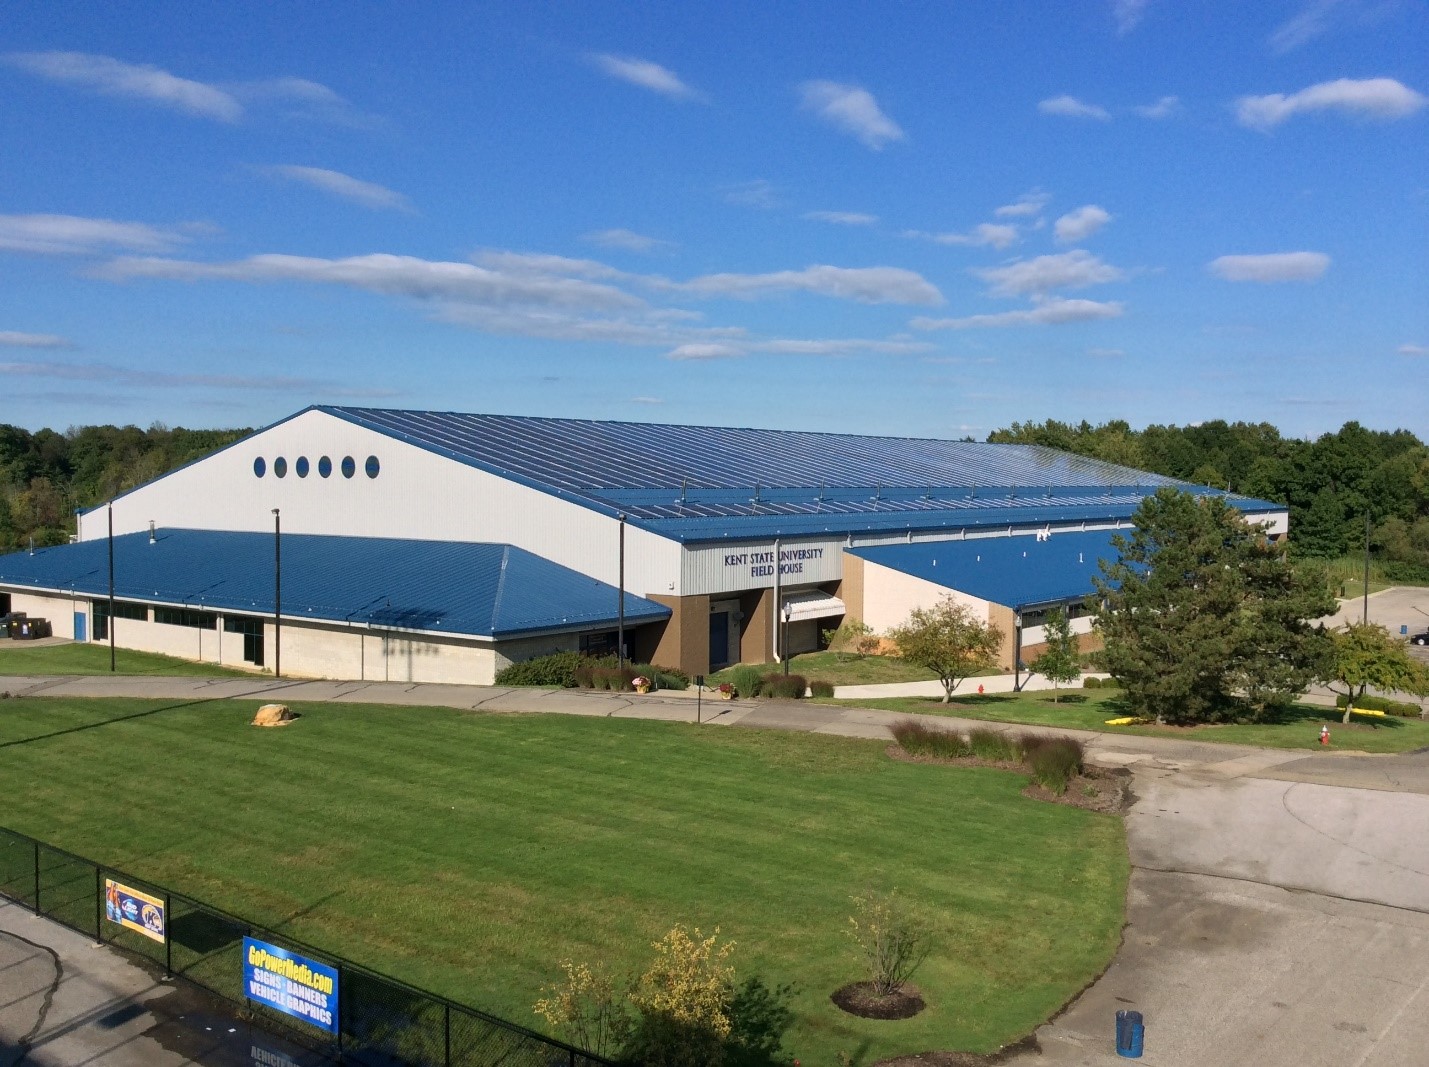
(1130, 1033)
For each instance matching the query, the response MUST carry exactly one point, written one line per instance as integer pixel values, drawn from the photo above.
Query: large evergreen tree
(1203, 618)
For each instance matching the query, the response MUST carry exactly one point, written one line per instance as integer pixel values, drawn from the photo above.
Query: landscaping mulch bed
(1095, 789)
(962, 1059)
(858, 998)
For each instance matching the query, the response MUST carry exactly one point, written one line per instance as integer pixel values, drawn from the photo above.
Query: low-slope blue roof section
(1017, 571)
(704, 483)
(485, 590)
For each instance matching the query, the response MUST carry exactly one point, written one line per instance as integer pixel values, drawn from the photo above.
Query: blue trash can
(1130, 1032)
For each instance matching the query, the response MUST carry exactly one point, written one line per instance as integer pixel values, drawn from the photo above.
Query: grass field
(470, 853)
(1089, 710)
(21, 657)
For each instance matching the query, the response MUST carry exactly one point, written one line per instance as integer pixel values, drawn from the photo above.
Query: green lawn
(21, 657)
(1091, 710)
(470, 853)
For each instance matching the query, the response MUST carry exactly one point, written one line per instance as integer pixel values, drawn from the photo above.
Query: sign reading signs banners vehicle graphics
(134, 910)
(292, 984)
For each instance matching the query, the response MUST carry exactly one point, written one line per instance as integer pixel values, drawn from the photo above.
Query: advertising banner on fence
(134, 910)
(292, 984)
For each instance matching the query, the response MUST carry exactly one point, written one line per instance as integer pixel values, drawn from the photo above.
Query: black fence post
(447, 1031)
(98, 904)
(37, 878)
(168, 941)
(341, 1009)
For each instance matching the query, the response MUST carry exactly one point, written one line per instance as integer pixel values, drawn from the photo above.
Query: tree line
(46, 475)
(1329, 484)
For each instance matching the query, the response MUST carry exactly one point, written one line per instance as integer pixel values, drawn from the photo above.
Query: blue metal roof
(702, 483)
(1016, 572)
(486, 590)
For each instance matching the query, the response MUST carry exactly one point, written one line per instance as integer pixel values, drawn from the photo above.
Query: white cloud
(1049, 311)
(757, 193)
(851, 109)
(1080, 224)
(1069, 270)
(1163, 108)
(1413, 350)
(646, 75)
(841, 218)
(1106, 353)
(1310, 22)
(698, 350)
(627, 240)
(148, 378)
(1274, 267)
(113, 77)
(867, 285)
(555, 266)
(300, 98)
(985, 234)
(75, 236)
(1128, 14)
(1026, 205)
(389, 275)
(368, 194)
(16, 339)
(1072, 108)
(646, 400)
(1369, 98)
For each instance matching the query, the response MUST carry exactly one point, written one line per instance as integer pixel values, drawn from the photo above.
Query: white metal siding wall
(58, 609)
(889, 595)
(417, 494)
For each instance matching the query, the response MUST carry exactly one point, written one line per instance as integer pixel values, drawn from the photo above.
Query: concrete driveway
(1269, 923)
(1403, 605)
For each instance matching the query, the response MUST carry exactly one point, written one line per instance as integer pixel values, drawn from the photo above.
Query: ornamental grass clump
(746, 680)
(1053, 761)
(783, 686)
(994, 746)
(893, 940)
(919, 739)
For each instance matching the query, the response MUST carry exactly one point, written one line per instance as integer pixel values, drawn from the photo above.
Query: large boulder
(274, 715)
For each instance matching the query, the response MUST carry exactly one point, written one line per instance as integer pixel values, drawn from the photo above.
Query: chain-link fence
(381, 1022)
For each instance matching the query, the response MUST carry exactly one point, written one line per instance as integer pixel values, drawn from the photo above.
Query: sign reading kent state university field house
(292, 984)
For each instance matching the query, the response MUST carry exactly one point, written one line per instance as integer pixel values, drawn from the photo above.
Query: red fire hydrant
(979, 689)
(1325, 734)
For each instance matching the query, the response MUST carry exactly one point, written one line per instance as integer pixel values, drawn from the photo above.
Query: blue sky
(926, 219)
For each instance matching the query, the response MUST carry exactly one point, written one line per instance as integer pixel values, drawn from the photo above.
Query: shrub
(683, 1000)
(820, 688)
(758, 1018)
(746, 678)
(1054, 761)
(616, 678)
(894, 942)
(588, 1009)
(582, 675)
(919, 739)
(785, 687)
(993, 745)
(1402, 708)
(670, 677)
(1091, 683)
(557, 669)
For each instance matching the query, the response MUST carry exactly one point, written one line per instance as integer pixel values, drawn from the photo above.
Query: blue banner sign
(292, 984)
(134, 910)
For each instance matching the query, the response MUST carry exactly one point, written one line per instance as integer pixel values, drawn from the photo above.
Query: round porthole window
(301, 467)
(260, 467)
(373, 467)
(280, 467)
(325, 467)
(349, 468)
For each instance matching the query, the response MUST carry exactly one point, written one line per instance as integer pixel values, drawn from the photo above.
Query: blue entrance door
(79, 626)
(719, 640)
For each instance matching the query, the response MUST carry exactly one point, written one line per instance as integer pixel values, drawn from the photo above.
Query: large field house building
(436, 546)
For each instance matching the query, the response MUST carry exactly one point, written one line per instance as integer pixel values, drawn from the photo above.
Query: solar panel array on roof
(692, 483)
(487, 590)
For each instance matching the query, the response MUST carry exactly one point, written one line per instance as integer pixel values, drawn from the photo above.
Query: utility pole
(277, 595)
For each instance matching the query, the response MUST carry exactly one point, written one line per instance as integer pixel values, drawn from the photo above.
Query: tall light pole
(277, 595)
(1366, 568)
(784, 641)
(620, 608)
(110, 620)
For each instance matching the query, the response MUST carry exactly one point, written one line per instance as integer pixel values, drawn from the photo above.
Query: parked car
(1421, 638)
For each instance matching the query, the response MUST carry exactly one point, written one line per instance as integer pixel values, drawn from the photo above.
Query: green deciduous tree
(1059, 662)
(1203, 618)
(1366, 656)
(947, 640)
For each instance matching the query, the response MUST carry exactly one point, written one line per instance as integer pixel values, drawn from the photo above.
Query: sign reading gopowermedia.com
(292, 984)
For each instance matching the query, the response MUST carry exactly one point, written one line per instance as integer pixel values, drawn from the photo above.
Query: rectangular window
(123, 609)
(199, 620)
